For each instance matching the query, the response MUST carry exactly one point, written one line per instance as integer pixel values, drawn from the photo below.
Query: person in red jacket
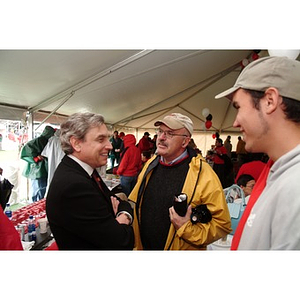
(9, 237)
(130, 165)
(144, 143)
(219, 161)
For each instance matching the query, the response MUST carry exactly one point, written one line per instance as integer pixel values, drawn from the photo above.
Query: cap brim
(174, 124)
(159, 122)
(169, 124)
(228, 93)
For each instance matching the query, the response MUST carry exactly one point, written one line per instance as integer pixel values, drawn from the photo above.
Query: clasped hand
(122, 218)
(177, 220)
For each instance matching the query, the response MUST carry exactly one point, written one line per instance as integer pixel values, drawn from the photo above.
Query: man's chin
(102, 162)
(160, 151)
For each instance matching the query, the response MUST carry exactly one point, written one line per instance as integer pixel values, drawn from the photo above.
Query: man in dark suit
(82, 213)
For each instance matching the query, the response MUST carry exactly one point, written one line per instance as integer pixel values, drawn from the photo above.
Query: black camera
(180, 204)
(200, 214)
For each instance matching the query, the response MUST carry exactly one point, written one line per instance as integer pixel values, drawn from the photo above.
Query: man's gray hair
(77, 125)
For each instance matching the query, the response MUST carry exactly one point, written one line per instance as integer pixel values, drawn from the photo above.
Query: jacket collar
(84, 165)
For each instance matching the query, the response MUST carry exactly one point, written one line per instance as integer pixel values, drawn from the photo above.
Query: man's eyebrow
(102, 136)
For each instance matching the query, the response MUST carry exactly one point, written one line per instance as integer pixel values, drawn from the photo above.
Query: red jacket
(218, 160)
(9, 237)
(131, 160)
(253, 168)
(144, 144)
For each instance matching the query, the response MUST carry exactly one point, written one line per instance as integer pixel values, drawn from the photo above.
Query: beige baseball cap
(272, 71)
(176, 121)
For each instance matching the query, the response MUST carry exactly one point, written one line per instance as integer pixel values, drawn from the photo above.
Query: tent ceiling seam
(214, 78)
(199, 52)
(90, 80)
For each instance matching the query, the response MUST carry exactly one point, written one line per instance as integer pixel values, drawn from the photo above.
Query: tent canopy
(131, 88)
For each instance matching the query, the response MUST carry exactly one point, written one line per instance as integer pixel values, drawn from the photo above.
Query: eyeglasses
(168, 134)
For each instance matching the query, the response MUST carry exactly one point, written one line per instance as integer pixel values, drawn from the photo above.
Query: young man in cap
(267, 98)
(175, 169)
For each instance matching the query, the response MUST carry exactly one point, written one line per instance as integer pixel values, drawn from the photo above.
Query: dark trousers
(220, 171)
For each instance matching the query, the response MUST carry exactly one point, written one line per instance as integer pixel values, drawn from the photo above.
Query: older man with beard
(177, 169)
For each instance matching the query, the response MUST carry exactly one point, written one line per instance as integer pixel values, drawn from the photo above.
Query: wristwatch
(127, 214)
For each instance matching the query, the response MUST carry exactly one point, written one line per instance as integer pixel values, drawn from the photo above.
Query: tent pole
(56, 108)
(29, 125)
(30, 132)
(225, 116)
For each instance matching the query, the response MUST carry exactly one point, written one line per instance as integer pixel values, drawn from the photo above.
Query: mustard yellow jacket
(202, 186)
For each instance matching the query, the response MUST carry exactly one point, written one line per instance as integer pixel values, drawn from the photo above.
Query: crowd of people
(229, 166)
(173, 197)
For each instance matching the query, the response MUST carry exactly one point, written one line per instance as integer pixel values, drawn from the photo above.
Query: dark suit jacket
(80, 215)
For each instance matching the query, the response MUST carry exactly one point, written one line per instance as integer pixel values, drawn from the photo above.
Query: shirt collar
(180, 157)
(84, 165)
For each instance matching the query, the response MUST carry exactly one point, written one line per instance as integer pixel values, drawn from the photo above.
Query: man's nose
(109, 145)
(163, 137)
(236, 123)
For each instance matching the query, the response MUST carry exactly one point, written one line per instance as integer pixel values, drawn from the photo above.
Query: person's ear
(76, 144)
(185, 142)
(272, 100)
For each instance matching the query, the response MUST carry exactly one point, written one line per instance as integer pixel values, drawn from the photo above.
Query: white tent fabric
(131, 88)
